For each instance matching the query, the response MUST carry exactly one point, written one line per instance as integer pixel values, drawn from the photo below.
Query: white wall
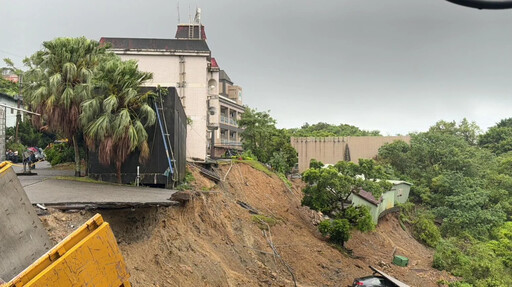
(166, 70)
(10, 117)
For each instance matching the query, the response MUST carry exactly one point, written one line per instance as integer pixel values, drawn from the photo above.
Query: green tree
(329, 188)
(115, 119)
(469, 131)
(395, 154)
(498, 138)
(7, 87)
(58, 80)
(468, 189)
(328, 130)
(269, 144)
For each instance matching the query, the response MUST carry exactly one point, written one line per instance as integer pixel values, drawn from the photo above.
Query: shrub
(360, 218)
(263, 221)
(61, 153)
(426, 230)
(189, 177)
(338, 230)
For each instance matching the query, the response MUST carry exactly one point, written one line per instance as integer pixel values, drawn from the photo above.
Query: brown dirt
(213, 241)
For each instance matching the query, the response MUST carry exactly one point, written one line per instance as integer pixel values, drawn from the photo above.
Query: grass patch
(284, 179)
(189, 177)
(257, 165)
(260, 220)
(184, 187)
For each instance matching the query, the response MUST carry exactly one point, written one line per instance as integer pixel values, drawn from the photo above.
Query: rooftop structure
(186, 63)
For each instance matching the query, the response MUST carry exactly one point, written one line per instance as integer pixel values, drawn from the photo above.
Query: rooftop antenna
(178, 7)
(189, 16)
(197, 20)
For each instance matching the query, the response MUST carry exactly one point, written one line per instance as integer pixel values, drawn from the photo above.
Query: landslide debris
(249, 230)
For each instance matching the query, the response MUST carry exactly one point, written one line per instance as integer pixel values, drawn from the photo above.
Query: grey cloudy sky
(396, 65)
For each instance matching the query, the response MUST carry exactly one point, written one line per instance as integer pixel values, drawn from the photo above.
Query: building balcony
(229, 121)
(230, 142)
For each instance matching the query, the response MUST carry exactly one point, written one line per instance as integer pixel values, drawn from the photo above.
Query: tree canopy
(58, 80)
(268, 143)
(467, 189)
(329, 188)
(115, 118)
(329, 130)
(498, 138)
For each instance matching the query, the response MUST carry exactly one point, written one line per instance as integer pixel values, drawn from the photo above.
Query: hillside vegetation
(217, 239)
(463, 195)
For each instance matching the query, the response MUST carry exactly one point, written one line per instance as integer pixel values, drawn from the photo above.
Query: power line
(13, 54)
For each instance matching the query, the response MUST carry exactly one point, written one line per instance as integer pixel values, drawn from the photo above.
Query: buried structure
(167, 145)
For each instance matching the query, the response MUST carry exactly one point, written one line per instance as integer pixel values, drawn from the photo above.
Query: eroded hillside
(217, 239)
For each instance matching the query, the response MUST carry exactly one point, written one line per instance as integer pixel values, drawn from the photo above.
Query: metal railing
(230, 142)
(228, 120)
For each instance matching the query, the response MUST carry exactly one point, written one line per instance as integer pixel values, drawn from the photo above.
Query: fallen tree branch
(276, 254)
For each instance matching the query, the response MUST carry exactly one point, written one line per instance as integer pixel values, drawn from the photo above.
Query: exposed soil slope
(214, 241)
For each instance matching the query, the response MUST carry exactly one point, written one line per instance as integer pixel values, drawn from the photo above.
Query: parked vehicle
(373, 281)
(378, 279)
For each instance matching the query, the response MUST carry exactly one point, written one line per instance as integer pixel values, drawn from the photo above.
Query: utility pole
(18, 112)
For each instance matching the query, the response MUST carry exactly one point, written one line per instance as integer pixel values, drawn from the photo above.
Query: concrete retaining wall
(330, 150)
(22, 236)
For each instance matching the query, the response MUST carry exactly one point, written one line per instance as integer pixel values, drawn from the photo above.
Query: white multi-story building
(186, 63)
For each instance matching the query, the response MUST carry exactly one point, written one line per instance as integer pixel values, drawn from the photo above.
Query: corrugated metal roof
(399, 182)
(368, 197)
(156, 44)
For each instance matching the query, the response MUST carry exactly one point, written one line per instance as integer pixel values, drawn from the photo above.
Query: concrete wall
(388, 201)
(374, 210)
(194, 96)
(330, 150)
(401, 192)
(22, 236)
(10, 115)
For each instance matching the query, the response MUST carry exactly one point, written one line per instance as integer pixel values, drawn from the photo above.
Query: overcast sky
(396, 66)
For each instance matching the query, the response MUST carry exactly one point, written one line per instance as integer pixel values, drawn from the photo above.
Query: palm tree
(114, 120)
(59, 79)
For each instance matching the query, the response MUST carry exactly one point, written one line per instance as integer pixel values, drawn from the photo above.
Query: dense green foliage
(61, 153)
(328, 190)
(466, 186)
(498, 138)
(329, 130)
(85, 93)
(58, 81)
(115, 118)
(7, 87)
(265, 142)
(338, 230)
(30, 136)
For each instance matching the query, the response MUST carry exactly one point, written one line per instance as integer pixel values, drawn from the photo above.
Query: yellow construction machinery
(89, 256)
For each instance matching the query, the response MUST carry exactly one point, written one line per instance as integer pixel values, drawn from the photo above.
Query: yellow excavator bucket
(89, 256)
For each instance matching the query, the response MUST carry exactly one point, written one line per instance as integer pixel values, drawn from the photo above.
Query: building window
(212, 87)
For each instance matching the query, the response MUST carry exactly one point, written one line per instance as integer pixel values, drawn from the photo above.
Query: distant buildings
(10, 77)
(212, 103)
(229, 105)
(330, 150)
(10, 114)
